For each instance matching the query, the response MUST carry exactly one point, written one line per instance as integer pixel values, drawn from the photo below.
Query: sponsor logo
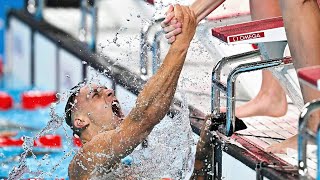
(246, 37)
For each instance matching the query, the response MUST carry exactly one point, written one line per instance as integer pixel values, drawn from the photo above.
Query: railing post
(156, 52)
(92, 11)
(39, 10)
(216, 73)
(304, 135)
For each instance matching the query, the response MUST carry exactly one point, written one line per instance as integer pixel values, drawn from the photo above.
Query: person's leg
(271, 93)
(303, 32)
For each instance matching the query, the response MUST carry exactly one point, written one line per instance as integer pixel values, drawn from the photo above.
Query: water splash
(22, 168)
(170, 151)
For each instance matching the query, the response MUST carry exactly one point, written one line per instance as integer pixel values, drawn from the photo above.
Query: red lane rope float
(37, 99)
(77, 142)
(47, 141)
(6, 101)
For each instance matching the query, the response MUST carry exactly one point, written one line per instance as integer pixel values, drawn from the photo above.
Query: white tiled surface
(283, 127)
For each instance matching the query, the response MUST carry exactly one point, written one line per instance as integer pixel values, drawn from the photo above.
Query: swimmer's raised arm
(107, 148)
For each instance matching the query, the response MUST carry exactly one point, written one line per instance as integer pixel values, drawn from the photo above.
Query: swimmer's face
(98, 107)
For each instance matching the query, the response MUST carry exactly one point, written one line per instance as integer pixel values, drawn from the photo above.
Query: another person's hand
(171, 26)
(188, 21)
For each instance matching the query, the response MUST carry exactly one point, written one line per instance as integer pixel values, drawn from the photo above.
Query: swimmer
(94, 114)
(271, 93)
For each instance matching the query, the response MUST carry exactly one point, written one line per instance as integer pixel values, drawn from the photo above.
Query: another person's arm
(204, 153)
(201, 9)
(107, 148)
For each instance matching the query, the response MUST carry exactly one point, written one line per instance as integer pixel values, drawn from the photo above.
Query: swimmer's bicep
(78, 169)
(128, 136)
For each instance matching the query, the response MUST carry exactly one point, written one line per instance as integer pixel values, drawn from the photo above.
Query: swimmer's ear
(81, 122)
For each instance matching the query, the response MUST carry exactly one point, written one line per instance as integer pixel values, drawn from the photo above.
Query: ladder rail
(230, 88)
(304, 135)
(92, 10)
(35, 7)
(145, 46)
(216, 75)
(243, 68)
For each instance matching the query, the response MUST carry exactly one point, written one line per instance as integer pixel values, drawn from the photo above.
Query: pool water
(170, 151)
(48, 163)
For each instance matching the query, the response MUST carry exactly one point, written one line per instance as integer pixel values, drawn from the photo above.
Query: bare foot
(281, 148)
(272, 104)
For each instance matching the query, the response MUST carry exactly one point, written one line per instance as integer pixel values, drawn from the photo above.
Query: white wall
(19, 54)
(233, 169)
(45, 63)
(70, 70)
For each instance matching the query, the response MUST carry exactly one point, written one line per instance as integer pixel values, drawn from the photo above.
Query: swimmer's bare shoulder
(106, 149)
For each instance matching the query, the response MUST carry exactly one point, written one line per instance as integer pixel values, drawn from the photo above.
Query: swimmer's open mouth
(116, 109)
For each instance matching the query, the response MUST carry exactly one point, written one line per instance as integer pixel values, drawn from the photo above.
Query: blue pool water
(52, 162)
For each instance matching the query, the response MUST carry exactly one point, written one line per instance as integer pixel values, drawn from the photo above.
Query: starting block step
(266, 30)
(310, 75)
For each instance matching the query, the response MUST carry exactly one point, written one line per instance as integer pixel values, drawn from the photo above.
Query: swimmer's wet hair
(69, 106)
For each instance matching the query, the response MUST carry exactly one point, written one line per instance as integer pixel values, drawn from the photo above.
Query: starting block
(310, 76)
(261, 31)
(266, 30)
